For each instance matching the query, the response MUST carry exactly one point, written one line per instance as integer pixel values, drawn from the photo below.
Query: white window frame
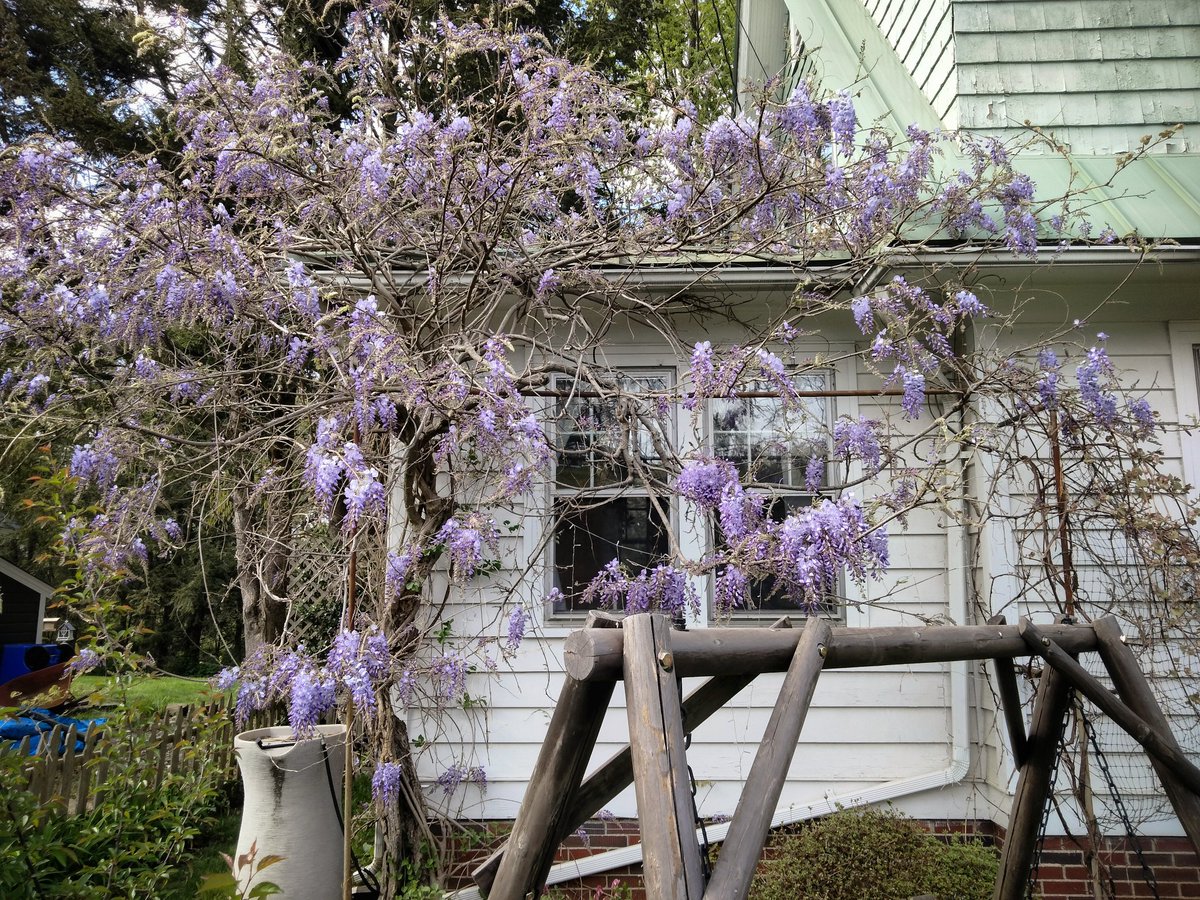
(754, 617)
(571, 618)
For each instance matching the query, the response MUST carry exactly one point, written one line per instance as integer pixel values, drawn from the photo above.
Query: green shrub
(872, 855)
(130, 844)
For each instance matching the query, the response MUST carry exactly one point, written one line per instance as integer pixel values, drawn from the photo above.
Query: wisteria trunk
(262, 562)
(408, 851)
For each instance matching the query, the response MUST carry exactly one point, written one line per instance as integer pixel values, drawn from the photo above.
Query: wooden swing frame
(650, 657)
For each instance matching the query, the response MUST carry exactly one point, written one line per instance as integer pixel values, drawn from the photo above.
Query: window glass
(768, 441)
(628, 529)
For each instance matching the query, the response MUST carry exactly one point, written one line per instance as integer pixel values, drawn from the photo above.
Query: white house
(1099, 75)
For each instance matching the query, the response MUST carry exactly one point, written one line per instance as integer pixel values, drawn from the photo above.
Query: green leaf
(222, 882)
(266, 889)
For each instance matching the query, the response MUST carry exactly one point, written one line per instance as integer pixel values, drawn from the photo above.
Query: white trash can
(289, 809)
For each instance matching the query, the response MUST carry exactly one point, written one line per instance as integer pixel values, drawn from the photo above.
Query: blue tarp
(38, 722)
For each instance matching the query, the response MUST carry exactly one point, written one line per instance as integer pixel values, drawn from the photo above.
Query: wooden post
(660, 775)
(1135, 691)
(1010, 701)
(760, 794)
(556, 776)
(1158, 744)
(1033, 785)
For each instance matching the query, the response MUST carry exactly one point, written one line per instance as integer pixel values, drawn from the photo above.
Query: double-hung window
(781, 452)
(608, 456)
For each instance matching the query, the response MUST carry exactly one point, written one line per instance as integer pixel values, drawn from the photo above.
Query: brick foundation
(1062, 874)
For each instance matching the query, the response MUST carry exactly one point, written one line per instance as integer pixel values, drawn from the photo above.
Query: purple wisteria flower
(732, 590)
(739, 512)
(312, 694)
(859, 440)
(864, 318)
(662, 589)
(449, 674)
(518, 620)
(397, 568)
(702, 372)
(85, 660)
(814, 474)
(704, 480)
(465, 540)
(843, 121)
(458, 774)
(226, 678)
(386, 782)
(914, 392)
(1089, 375)
(969, 305)
(1142, 415)
(816, 544)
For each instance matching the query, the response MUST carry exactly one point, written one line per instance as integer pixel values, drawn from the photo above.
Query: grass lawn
(146, 691)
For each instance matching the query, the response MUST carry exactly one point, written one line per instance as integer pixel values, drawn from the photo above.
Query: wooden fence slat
(48, 750)
(69, 755)
(177, 743)
(86, 765)
(163, 741)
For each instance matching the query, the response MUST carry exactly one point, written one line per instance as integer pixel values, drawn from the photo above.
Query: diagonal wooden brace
(760, 794)
(1159, 744)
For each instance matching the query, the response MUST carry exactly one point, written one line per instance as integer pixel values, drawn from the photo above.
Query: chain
(1037, 847)
(705, 861)
(1119, 804)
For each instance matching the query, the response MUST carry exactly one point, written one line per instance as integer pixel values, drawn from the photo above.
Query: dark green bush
(128, 845)
(872, 855)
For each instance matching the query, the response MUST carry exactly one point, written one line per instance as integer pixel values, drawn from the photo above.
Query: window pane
(767, 440)
(624, 528)
(594, 435)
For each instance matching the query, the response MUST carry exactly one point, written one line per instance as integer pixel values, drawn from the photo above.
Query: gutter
(957, 575)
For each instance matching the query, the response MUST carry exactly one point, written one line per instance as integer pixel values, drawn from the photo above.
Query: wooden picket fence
(69, 778)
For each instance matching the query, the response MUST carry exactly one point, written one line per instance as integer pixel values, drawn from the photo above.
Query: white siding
(921, 33)
(866, 727)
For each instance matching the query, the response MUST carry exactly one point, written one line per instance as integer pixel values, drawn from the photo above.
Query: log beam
(617, 773)
(1135, 690)
(1157, 743)
(596, 655)
(1033, 785)
(556, 777)
(1010, 701)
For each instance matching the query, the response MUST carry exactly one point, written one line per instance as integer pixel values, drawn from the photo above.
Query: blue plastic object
(39, 722)
(21, 659)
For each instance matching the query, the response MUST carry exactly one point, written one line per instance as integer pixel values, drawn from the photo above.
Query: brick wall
(1063, 872)
(1173, 864)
